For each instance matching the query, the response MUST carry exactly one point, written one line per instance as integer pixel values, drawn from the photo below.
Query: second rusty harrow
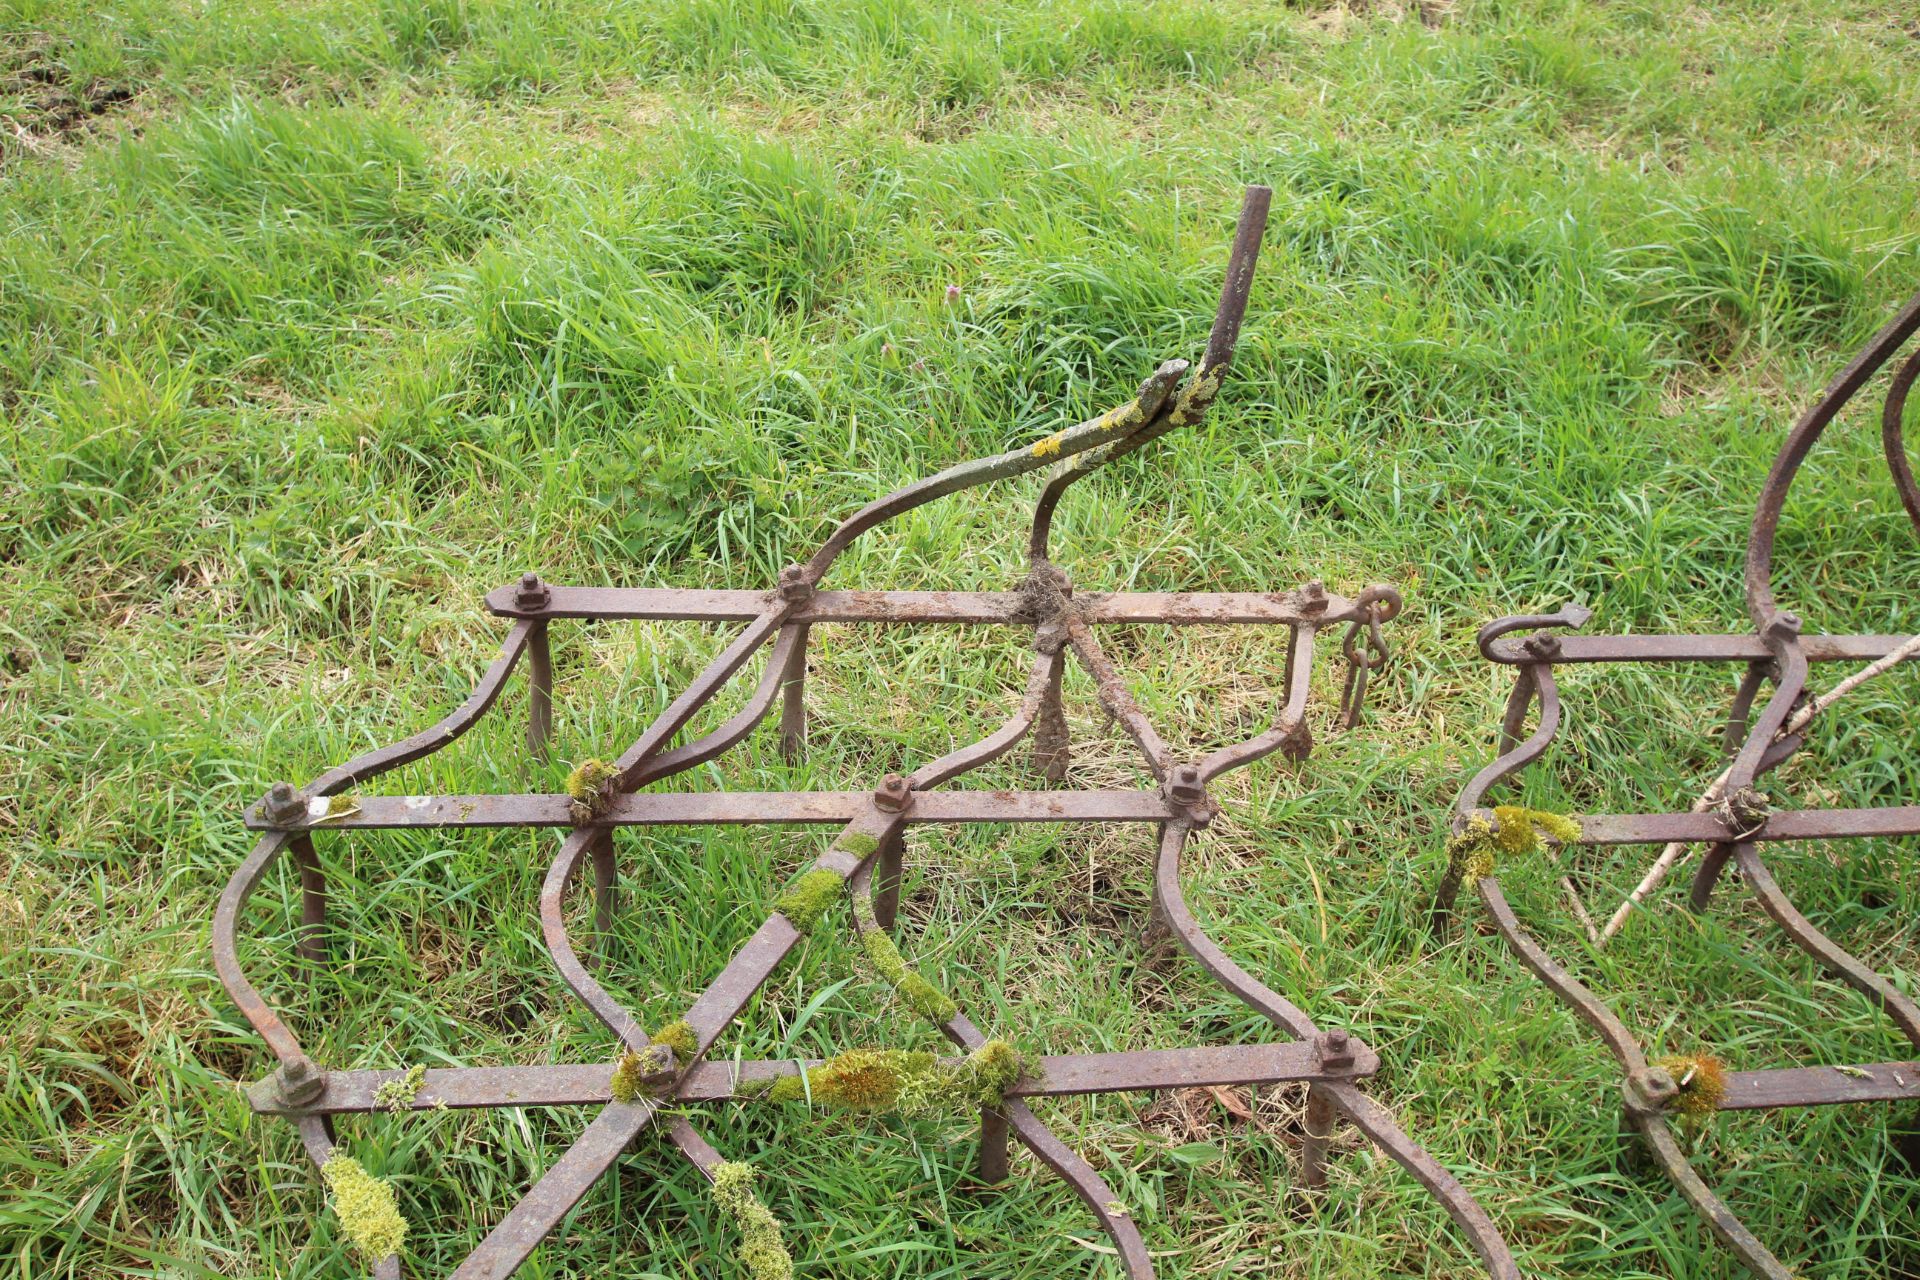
(1734, 831)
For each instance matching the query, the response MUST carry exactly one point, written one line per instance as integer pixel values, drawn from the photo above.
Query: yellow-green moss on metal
(587, 784)
(1702, 1081)
(365, 1207)
(398, 1095)
(680, 1038)
(1471, 854)
(810, 897)
(858, 843)
(914, 991)
(631, 1072)
(904, 1081)
(761, 1251)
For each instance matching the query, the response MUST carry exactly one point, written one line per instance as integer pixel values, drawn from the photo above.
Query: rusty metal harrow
(867, 853)
(1777, 654)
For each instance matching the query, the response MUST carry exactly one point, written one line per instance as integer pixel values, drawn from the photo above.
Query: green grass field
(319, 320)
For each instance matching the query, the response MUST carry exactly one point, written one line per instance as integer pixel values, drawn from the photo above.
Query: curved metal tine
(1627, 1052)
(1548, 693)
(1740, 714)
(632, 762)
(792, 635)
(456, 722)
(1759, 753)
(1514, 718)
(247, 876)
(1792, 662)
(1114, 696)
(515, 1237)
(1289, 731)
(1045, 670)
(226, 957)
(1572, 616)
(1170, 901)
(1572, 992)
(1381, 1129)
(1891, 437)
(1904, 1012)
(1720, 1220)
(1367, 1116)
(1039, 1139)
(1150, 407)
(319, 1144)
(1799, 441)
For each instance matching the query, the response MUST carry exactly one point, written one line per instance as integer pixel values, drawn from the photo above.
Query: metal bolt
(283, 806)
(891, 795)
(1542, 644)
(1050, 636)
(659, 1065)
(794, 585)
(1184, 787)
(1649, 1089)
(1313, 597)
(1334, 1049)
(1784, 625)
(299, 1082)
(532, 594)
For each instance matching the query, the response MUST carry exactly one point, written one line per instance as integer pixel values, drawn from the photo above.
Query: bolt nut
(658, 1065)
(1184, 787)
(532, 594)
(1649, 1089)
(283, 806)
(299, 1082)
(1313, 597)
(794, 585)
(1784, 625)
(1334, 1049)
(892, 795)
(1542, 644)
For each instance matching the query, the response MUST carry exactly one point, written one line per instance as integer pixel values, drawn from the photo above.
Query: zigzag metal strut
(1330, 1062)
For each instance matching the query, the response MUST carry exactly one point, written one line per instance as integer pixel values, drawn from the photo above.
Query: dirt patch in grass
(40, 101)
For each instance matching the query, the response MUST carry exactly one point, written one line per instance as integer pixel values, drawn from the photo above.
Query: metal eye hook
(1382, 604)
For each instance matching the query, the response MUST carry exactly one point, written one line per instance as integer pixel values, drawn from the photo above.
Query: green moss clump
(631, 1072)
(858, 843)
(761, 1251)
(398, 1095)
(680, 1038)
(1470, 853)
(1514, 830)
(587, 784)
(365, 1207)
(914, 991)
(1704, 1087)
(810, 897)
(905, 1081)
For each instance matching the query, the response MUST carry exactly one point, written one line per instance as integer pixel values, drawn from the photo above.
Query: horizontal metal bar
(1058, 1076)
(1704, 648)
(1785, 824)
(1008, 607)
(702, 808)
(1821, 1086)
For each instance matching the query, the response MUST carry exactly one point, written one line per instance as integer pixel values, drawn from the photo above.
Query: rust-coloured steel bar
(772, 627)
(1756, 742)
